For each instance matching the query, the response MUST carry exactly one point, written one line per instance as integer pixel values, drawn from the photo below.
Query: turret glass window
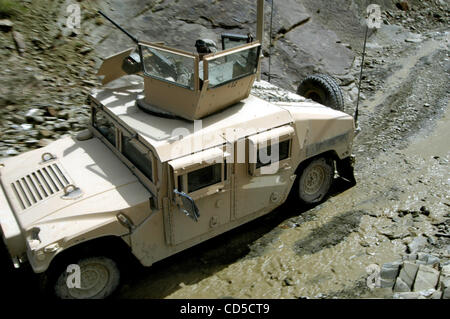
(232, 66)
(169, 66)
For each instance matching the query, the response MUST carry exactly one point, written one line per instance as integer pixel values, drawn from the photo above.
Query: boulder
(19, 119)
(446, 292)
(427, 259)
(408, 273)
(417, 244)
(45, 133)
(6, 25)
(401, 286)
(34, 112)
(426, 278)
(445, 282)
(84, 135)
(436, 295)
(403, 5)
(408, 295)
(62, 126)
(20, 42)
(9, 152)
(388, 273)
(446, 270)
(410, 257)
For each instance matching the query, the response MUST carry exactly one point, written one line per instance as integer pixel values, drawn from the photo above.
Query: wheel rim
(314, 180)
(315, 96)
(94, 278)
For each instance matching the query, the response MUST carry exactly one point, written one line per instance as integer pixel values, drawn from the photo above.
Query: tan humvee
(167, 163)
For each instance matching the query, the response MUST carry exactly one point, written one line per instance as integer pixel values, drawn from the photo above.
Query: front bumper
(10, 230)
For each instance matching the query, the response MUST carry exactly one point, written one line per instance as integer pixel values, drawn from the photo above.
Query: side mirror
(189, 207)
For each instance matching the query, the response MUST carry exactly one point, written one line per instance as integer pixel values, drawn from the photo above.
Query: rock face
(299, 48)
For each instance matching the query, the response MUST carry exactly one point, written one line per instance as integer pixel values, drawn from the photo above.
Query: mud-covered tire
(315, 180)
(100, 278)
(322, 89)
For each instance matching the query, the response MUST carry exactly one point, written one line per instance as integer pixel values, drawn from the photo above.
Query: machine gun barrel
(120, 28)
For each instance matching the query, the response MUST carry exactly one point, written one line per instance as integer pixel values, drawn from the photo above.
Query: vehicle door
(264, 178)
(202, 178)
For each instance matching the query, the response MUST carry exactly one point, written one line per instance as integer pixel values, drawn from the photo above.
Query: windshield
(105, 126)
(173, 67)
(138, 156)
(232, 66)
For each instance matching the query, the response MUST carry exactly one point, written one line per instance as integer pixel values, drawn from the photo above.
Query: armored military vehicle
(180, 153)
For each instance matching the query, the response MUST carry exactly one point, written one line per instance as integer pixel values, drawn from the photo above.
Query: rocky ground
(397, 213)
(44, 81)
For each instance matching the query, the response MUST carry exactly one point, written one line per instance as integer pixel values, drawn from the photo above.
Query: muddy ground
(402, 167)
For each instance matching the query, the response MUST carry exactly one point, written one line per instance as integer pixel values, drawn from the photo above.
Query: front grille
(39, 185)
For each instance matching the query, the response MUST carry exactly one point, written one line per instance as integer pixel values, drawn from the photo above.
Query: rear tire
(315, 180)
(322, 89)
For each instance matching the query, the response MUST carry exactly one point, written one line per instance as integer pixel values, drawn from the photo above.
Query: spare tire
(323, 89)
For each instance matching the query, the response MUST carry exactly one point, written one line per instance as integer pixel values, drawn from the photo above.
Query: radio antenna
(271, 41)
(360, 77)
(135, 40)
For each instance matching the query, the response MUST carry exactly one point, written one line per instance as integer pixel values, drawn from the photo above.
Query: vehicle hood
(321, 129)
(35, 188)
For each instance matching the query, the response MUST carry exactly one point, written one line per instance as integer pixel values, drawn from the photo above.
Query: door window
(268, 148)
(204, 177)
(283, 153)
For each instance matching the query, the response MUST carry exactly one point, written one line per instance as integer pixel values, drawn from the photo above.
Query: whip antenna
(271, 39)
(360, 78)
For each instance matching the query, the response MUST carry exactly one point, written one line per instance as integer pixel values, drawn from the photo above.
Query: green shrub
(10, 8)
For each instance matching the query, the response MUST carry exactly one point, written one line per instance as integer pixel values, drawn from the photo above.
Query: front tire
(98, 278)
(315, 180)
